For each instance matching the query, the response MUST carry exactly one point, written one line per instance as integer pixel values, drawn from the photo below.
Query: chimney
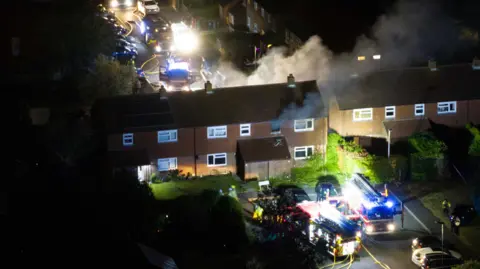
(432, 64)
(476, 64)
(291, 81)
(208, 87)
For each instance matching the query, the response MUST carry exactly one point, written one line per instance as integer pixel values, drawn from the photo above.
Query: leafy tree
(474, 148)
(470, 264)
(426, 145)
(108, 78)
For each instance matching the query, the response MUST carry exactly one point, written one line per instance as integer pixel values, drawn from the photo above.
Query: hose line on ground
(375, 259)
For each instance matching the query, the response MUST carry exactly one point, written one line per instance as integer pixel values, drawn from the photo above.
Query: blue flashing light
(389, 204)
(142, 27)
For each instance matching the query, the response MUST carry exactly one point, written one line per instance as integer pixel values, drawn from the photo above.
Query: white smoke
(412, 31)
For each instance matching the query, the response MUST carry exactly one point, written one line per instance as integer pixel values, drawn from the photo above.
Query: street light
(441, 223)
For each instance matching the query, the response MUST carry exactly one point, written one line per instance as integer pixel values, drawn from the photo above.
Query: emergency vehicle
(157, 33)
(364, 202)
(176, 76)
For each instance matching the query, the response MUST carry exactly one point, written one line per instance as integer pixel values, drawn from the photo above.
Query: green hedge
(474, 148)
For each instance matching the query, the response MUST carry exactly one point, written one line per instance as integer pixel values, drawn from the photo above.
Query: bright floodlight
(377, 57)
(114, 3)
(179, 65)
(128, 3)
(184, 38)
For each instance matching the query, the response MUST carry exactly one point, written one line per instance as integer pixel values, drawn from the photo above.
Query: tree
(107, 78)
(474, 148)
(470, 264)
(427, 145)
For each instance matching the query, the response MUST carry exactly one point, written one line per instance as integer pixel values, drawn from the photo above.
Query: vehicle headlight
(415, 242)
(369, 228)
(158, 48)
(128, 3)
(172, 48)
(185, 88)
(391, 227)
(114, 3)
(358, 234)
(170, 88)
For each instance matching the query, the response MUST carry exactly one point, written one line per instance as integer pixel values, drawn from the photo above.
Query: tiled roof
(411, 86)
(249, 104)
(264, 149)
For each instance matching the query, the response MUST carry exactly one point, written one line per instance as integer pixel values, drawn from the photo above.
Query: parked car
(439, 261)
(419, 254)
(463, 214)
(151, 7)
(429, 241)
(291, 194)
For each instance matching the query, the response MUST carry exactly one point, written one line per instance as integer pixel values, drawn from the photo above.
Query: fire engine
(364, 202)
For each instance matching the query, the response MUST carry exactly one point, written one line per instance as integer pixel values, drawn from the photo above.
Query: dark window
(275, 124)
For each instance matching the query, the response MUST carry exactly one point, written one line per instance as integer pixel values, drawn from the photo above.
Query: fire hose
(383, 265)
(336, 263)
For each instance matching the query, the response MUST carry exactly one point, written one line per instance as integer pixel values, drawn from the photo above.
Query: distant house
(406, 100)
(239, 130)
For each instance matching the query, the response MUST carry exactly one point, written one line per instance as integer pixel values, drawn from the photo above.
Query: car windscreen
(379, 212)
(177, 74)
(149, 3)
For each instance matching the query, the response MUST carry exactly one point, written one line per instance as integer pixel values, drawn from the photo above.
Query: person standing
(446, 207)
(403, 213)
(318, 191)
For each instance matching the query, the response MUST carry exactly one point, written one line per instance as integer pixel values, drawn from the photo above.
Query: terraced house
(396, 103)
(255, 131)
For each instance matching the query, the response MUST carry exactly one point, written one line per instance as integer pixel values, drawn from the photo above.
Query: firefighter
(446, 207)
(455, 225)
(318, 190)
(232, 192)
(258, 213)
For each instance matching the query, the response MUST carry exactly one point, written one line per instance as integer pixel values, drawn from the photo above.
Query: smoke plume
(412, 32)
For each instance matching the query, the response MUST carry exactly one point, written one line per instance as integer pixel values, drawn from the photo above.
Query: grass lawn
(457, 195)
(174, 189)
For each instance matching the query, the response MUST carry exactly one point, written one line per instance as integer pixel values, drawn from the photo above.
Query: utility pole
(388, 147)
(441, 223)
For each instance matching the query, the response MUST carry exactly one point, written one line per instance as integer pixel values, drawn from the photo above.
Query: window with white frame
(419, 109)
(217, 131)
(447, 107)
(167, 164)
(268, 18)
(255, 28)
(303, 125)
(217, 159)
(167, 136)
(248, 22)
(245, 129)
(255, 5)
(301, 153)
(231, 18)
(389, 112)
(362, 114)
(127, 139)
(262, 12)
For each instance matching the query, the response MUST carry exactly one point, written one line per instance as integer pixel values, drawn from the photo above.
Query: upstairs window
(255, 5)
(217, 132)
(389, 112)
(167, 136)
(419, 109)
(262, 11)
(255, 28)
(303, 125)
(127, 139)
(268, 18)
(167, 164)
(275, 126)
(218, 159)
(244, 2)
(363, 114)
(245, 129)
(248, 22)
(301, 153)
(231, 19)
(447, 107)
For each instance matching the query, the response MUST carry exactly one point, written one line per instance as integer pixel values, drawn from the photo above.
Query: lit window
(302, 153)
(255, 28)
(167, 136)
(231, 19)
(248, 22)
(245, 129)
(218, 159)
(263, 12)
(419, 109)
(127, 139)
(303, 125)
(362, 114)
(217, 132)
(447, 107)
(389, 112)
(167, 164)
(255, 5)
(268, 18)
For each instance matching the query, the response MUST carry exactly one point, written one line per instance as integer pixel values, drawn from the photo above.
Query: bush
(474, 148)
(470, 264)
(426, 145)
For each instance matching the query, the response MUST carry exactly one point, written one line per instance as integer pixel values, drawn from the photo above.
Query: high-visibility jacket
(446, 204)
(258, 213)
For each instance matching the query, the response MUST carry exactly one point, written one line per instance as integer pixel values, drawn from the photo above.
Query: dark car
(463, 214)
(429, 241)
(439, 261)
(291, 195)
